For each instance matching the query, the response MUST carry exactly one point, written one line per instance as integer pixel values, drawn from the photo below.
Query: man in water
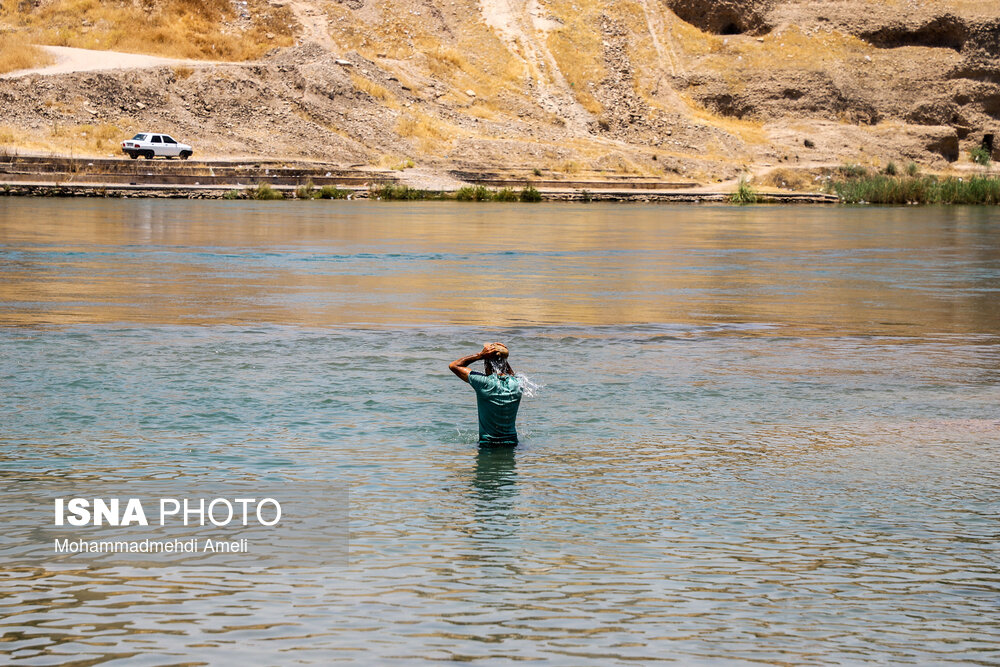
(498, 394)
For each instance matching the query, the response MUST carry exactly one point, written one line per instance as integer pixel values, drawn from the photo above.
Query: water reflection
(496, 475)
(818, 269)
(494, 492)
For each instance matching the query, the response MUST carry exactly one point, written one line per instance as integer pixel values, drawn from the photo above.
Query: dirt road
(70, 59)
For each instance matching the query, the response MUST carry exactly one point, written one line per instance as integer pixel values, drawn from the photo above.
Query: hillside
(694, 89)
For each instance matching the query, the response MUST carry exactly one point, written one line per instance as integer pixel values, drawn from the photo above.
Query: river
(763, 434)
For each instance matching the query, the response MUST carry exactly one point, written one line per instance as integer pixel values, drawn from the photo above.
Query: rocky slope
(693, 89)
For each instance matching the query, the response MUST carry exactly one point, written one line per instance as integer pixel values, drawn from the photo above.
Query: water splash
(529, 388)
(496, 366)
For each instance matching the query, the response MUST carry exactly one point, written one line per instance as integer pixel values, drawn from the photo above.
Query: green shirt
(498, 397)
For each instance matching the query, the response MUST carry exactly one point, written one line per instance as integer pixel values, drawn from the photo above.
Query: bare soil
(68, 59)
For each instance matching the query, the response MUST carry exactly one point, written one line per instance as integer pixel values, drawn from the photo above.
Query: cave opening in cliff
(988, 143)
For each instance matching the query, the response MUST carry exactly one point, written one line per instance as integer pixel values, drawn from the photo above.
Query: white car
(150, 145)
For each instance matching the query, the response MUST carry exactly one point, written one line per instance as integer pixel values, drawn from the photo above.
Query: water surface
(766, 435)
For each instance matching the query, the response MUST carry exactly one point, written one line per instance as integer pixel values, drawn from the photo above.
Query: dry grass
(8, 137)
(484, 109)
(325, 123)
(174, 28)
(430, 134)
(182, 72)
(69, 139)
(691, 40)
(89, 138)
(470, 55)
(797, 180)
(569, 167)
(391, 161)
(513, 71)
(17, 53)
(418, 125)
(790, 49)
(378, 92)
(620, 164)
(577, 49)
(103, 139)
(444, 61)
(347, 32)
(963, 7)
(749, 131)
(403, 78)
(394, 162)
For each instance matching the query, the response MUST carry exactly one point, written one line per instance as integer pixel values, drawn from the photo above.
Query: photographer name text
(147, 546)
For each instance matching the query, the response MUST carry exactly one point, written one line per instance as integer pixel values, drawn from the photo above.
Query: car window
(168, 140)
(156, 139)
(139, 137)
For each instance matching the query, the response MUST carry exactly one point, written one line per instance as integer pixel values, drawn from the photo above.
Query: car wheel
(150, 155)
(133, 155)
(185, 155)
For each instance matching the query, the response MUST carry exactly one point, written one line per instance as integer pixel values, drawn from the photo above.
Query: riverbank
(55, 176)
(275, 179)
(289, 193)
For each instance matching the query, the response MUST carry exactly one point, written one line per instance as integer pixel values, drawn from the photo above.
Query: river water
(764, 435)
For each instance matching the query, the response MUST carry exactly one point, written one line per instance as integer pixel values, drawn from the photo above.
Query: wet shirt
(498, 398)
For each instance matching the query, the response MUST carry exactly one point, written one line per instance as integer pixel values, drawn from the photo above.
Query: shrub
(536, 171)
(890, 169)
(264, 192)
(395, 191)
(745, 194)
(506, 194)
(331, 192)
(232, 194)
(853, 171)
(530, 194)
(912, 169)
(474, 193)
(980, 156)
(307, 191)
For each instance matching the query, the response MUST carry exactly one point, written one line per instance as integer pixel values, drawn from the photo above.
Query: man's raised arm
(460, 367)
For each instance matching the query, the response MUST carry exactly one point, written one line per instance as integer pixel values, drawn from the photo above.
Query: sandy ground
(70, 59)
